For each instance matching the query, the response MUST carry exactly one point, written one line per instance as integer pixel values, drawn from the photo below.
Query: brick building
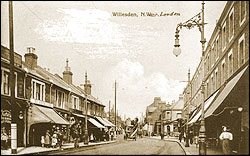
(45, 101)
(225, 71)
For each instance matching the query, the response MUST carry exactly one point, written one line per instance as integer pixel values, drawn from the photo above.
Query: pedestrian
(54, 140)
(191, 136)
(196, 140)
(60, 138)
(4, 138)
(47, 139)
(42, 141)
(226, 137)
(184, 136)
(91, 137)
(180, 136)
(112, 135)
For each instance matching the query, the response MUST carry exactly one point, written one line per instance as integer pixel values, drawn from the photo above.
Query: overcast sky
(134, 51)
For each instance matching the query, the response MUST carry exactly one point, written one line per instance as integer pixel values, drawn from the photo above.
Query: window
(75, 101)
(38, 90)
(223, 71)
(242, 12)
(224, 38)
(217, 48)
(60, 99)
(213, 54)
(241, 51)
(231, 24)
(208, 63)
(212, 83)
(178, 115)
(5, 82)
(168, 115)
(207, 88)
(216, 78)
(230, 63)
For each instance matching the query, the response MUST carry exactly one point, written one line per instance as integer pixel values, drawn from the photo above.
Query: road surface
(142, 146)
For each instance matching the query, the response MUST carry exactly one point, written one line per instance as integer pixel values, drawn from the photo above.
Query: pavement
(192, 149)
(38, 149)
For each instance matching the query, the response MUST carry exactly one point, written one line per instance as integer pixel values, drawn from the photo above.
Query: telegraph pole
(86, 141)
(12, 83)
(109, 110)
(115, 107)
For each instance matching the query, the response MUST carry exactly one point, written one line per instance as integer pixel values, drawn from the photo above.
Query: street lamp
(197, 20)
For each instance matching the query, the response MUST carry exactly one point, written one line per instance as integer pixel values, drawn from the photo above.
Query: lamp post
(197, 20)
(86, 141)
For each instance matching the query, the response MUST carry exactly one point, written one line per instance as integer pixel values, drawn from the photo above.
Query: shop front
(17, 115)
(95, 130)
(42, 119)
(231, 109)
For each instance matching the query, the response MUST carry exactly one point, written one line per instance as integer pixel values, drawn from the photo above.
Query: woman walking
(226, 137)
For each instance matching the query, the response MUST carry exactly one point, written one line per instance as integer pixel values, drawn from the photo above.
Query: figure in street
(226, 137)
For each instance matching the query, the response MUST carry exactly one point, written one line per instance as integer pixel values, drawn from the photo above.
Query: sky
(134, 51)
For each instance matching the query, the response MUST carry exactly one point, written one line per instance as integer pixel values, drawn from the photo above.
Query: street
(142, 146)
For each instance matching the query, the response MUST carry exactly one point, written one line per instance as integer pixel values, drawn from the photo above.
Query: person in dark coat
(47, 139)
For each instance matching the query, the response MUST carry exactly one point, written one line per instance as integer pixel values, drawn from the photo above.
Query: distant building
(171, 115)
(153, 113)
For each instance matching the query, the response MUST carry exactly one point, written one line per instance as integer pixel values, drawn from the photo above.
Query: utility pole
(86, 141)
(109, 110)
(12, 83)
(187, 130)
(115, 107)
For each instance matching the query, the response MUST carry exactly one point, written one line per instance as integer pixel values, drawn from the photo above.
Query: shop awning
(79, 115)
(206, 105)
(46, 115)
(96, 123)
(224, 93)
(109, 122)
(103, 122)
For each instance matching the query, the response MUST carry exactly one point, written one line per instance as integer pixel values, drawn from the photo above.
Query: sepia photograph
(125, 78)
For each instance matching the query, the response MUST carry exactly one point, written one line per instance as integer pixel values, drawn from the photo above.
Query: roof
(58, 81)
(151, 109)
(178, 105)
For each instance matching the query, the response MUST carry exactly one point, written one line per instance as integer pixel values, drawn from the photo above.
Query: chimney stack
(67, 74)
(88, 87)
(31, 58)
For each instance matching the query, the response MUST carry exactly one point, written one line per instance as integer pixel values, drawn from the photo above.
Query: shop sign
(5, 116)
